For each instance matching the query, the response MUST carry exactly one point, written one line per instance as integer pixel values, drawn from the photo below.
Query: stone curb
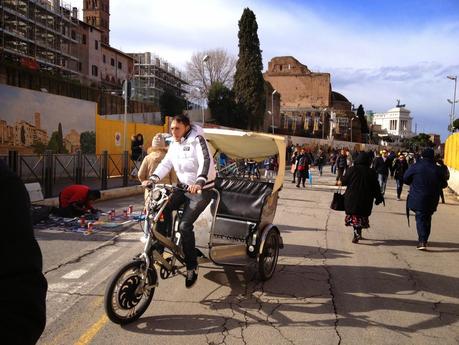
(108, 194)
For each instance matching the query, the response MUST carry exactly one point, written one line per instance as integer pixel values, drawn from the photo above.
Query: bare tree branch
(219, 67)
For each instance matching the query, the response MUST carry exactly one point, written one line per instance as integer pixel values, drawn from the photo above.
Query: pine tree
(60, 139)
(363, 120)
(248, 81)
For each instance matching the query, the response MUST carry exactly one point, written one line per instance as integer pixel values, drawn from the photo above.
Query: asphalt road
(326, 290)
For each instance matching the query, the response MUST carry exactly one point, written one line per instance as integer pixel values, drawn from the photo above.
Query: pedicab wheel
(125, 301)
(267, 260)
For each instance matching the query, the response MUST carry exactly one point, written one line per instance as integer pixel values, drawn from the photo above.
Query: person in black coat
(137, 147)
(400, 167)
(22, 284)
(302, 168)
(341, 165)
(362, 189)
(445, 172)
(381, 165)
(426, 180)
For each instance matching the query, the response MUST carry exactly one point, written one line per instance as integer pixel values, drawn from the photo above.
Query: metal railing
(55, 171)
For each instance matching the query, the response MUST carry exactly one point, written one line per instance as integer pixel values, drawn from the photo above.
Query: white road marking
(74, 274)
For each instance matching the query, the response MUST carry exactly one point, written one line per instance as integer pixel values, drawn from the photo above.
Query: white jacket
(191, 159)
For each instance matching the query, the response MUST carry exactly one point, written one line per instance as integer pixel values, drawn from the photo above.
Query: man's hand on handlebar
(194, 188)
(147, 183)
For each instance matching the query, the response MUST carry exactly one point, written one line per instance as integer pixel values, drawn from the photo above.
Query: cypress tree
(248, 81)
(60, 138)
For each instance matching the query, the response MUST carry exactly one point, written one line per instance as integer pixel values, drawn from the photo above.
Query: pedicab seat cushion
(242, 199)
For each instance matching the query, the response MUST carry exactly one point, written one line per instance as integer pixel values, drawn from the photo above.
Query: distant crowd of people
(365, 174)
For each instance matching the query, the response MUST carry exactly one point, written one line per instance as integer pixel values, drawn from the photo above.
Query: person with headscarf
(362, 189)
(426, 180)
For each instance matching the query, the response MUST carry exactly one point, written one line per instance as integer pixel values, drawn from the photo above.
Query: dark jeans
(333, 168)
(382, 179)
(70, 211)
(295, 174)
(302, 176)
(321, 168)
(340, 174)
(195, 204)
(423, 224)
(399, 182)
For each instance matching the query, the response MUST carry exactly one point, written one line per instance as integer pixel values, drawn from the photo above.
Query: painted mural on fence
(32, 121)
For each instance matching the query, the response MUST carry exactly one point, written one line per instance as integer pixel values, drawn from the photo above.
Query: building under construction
(152, 76)
(39, 34)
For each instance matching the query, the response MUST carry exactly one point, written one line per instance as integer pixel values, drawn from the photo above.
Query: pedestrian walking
(320, 161)
(333, 158)
(381, 166)
(400, 167)
(302, 168)
(426, 180)
(362, 189)
(445, 172)
(136, 152)
(341, 166)
(293, 163)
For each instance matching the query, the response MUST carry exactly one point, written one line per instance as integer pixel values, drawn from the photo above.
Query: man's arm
(204, 161)
(408, 176)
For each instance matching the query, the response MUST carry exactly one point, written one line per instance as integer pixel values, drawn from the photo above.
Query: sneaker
(191, 277)
(297, 186)
(422, 246)
(355, 239)
(398, 198)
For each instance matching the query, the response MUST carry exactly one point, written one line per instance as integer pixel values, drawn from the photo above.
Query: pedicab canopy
(248, 145)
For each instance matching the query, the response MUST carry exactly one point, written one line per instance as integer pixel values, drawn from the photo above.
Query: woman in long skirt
(362, 189)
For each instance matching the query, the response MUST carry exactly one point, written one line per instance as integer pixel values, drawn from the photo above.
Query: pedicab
(235, 229)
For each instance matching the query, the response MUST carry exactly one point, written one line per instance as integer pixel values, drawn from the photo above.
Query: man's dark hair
(94, 194)
(182, 119)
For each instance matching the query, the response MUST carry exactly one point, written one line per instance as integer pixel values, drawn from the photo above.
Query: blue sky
(377, 51)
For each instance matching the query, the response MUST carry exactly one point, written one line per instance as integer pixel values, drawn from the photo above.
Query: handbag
(337, 203)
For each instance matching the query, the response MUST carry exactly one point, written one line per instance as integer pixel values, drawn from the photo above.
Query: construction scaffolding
(39, 32)
(153, 75)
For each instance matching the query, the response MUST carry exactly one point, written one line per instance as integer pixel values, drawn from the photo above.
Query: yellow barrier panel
(109, 134)
(452, 151)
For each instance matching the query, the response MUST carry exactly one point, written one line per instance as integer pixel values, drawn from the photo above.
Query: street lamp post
(201, 92)
(453, 102)
(205, 59)
(272, 110)
(323, 122)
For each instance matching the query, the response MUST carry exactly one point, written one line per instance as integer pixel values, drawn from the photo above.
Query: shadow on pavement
(272, 303)
(450, 247)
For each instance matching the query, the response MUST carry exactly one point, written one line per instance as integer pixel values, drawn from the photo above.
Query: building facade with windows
(152, 75)
(396, 121)
(308, 106)
(39, 35)
(115, 66)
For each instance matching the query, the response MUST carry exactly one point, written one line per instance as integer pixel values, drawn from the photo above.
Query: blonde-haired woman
(156, 153)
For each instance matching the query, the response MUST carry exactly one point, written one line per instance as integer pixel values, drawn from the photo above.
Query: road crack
(323, 253)
(77, 259)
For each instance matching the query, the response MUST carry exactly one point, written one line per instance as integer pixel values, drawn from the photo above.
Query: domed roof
(337, 97)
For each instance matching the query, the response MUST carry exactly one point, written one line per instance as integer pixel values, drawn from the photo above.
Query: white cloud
(370, 63)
